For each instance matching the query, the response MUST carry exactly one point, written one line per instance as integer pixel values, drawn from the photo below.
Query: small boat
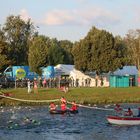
(57, 112)
(63, 112)
(123, 120)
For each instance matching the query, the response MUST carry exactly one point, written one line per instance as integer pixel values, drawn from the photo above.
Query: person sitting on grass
(129, 112)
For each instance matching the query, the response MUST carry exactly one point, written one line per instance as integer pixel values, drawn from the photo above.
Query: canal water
(35, 123)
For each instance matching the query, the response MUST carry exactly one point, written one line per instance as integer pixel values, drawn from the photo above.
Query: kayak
(63, 112)
(123, 120)
(57, 112)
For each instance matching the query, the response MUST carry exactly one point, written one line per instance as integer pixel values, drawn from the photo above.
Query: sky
(72, 19)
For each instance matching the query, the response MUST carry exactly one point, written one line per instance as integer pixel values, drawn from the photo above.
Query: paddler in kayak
(52, 106)
(74, 106)
(63, 107)
(63, 100)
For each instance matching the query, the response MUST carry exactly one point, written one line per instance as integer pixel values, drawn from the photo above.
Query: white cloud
(24, 14)
(86, 16)
(58, 17)
(96, 15)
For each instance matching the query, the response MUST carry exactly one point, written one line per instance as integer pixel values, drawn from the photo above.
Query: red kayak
(124, 120)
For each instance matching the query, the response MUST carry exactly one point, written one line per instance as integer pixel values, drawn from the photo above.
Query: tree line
(99, 50)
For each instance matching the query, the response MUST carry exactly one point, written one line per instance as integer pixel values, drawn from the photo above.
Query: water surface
(35, 123)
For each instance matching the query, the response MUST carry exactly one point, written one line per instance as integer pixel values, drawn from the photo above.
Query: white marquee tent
(62, 69)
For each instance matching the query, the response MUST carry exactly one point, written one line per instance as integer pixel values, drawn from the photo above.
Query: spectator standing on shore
(44, 82)
(29, 86)
(35, 86)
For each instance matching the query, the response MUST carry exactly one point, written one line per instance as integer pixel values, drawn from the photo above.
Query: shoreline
(84, 96)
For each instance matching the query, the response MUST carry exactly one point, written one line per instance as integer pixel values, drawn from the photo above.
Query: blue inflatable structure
(48, 72)
(20, 72)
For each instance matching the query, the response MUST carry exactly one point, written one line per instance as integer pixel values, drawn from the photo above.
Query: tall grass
(80, 95)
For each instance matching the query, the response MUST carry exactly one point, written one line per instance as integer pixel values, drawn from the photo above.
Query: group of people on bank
(63, 105)
(129, 112)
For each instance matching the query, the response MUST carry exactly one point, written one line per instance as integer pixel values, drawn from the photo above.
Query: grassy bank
(80, 95)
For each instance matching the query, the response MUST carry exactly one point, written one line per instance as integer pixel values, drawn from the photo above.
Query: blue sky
(72, 19)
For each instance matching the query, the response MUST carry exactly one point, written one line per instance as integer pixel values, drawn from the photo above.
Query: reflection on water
(35, 123)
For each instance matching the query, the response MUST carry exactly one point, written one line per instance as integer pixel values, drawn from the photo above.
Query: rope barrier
(48, 101)
(99, 108)
(43, 101)
(33, 101)
(93, 107)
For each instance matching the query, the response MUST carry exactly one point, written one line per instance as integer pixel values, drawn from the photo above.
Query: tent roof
(62, 69)
(126, 70)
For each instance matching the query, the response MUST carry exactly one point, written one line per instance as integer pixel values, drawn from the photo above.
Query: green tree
(67, 46)
(4, 61)
(122, 52)
(38, 53)
(133, 42)
(81, 53)
(98, 52)
(56, 53)
(18, 33)
(44, 51)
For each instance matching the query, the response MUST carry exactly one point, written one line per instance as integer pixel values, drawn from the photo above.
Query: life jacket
(74, 107)
(63, 107)
(129, 113)
(52, 106)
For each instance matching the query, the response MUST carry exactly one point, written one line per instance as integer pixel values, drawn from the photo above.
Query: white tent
(62, 69)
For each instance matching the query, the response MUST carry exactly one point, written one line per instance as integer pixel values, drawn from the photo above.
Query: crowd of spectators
(46, 83)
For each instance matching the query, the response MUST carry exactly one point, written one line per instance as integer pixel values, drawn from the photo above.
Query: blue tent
(126, 70)
(125, 77)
